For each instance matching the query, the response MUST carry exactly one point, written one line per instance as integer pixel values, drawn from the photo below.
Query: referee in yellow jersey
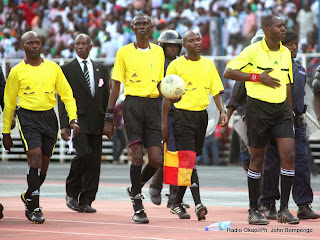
(140, 66)
(190, 118)
(35, 82)
(266, 69)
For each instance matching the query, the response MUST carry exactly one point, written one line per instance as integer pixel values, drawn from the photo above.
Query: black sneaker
(36, 216)
(1, 210)
(155, 195)
(183, 204)
(26, 202)
(305, 212)
(180, 211)
(256, 218)
(201, 211)
(140, 217)
(270, 211)
(286, 217)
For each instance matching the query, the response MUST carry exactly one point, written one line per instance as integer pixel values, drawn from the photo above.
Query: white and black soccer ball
(172, 86)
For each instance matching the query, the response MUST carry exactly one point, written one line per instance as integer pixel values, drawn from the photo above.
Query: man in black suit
(90, 85)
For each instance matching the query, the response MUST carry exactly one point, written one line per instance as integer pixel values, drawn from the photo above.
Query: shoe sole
(301, 217)
(186, 217)
(203, 212)
(264, 223)
(36, 222)
(82, 211)
(142, 222)
(292, 222)
(202, 215)
(72, 208)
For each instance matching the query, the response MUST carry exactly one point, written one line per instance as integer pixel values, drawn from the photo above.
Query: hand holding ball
(172, 87)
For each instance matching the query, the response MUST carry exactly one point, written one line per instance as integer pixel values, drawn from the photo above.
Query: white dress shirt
(91, 73)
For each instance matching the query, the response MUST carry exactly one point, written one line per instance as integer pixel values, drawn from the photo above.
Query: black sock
(287, 177)
(180, 193)
(172, 193)
(135, 176)
(254, 186)
(28, 193)
(147, 173)
(195, 187)
(33, 179)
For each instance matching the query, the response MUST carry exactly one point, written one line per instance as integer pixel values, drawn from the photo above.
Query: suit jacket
(91, 109)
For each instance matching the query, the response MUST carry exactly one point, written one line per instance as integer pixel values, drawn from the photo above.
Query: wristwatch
(74, 121)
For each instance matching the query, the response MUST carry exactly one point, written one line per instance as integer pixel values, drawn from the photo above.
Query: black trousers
(83, 179)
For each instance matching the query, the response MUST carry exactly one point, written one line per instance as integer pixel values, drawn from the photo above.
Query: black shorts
(267, 120)
(190, 129)
(38, 129)
(142, 121)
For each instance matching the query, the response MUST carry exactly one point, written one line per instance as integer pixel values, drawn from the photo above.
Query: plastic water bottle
(219, 226)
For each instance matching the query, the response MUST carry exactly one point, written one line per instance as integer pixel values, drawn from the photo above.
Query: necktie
(86, 73)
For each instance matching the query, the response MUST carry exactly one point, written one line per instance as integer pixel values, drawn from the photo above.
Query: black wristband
(108, 119)
(223, 111)
(110, 110)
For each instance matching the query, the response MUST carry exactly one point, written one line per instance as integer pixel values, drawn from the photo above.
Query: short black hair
(141, 15)
(267, 21)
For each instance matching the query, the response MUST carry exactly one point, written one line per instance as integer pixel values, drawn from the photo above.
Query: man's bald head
(32, 45)
(189, 34)
(28, 35)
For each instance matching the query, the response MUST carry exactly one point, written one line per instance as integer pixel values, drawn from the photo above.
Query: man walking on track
(171, 42)
(190, 117)
(89, 81)
(35, 82)
(140, 66)
(266, 68)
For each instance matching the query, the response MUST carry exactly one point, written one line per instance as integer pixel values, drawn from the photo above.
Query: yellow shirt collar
(266, 48)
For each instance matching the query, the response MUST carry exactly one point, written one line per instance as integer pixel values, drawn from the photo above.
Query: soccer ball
(172, 87)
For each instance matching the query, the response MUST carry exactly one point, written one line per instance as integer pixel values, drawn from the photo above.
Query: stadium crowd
(107, 22)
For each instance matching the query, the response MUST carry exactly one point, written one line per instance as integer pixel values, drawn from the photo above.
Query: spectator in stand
(42, 25)
(14, 53)
(62, 37)
(6, 42)
(69, 52)
(30, 8)
(250, 26)
(307, 20)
